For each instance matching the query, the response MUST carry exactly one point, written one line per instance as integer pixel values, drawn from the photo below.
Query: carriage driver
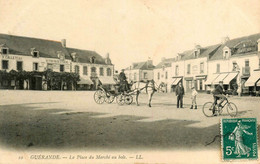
(123, 82)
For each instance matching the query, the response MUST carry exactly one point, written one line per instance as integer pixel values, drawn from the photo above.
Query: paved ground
(72, 120)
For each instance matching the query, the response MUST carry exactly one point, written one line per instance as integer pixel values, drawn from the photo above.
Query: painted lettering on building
(11, 57)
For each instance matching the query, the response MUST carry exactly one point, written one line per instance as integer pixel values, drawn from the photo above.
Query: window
(225, 55)
(134, 76)
(101, 71)
(5, 64)
(158, 76)
(109, 73)
(196, 54)
(234, 66)
(202, 67)
(176, 70)
(35, 66)
(36, 54)
(188, 69)
(166, 75)
(61, 68)
(49, 66)
(218, 68)
(145, 75)
(130, 76)
(19, 65)
(93, 70)
(77, 69)
(4, 50)
(246, 63)
(85, 70)
(92, 59)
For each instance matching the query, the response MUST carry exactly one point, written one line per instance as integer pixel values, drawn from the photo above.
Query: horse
(149, 86)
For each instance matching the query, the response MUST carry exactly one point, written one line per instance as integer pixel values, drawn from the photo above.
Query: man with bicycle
(218, 94)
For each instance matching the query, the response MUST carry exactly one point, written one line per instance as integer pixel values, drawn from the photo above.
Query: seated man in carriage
(124, 86)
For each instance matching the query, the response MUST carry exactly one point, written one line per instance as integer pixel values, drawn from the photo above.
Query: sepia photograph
(129, 81)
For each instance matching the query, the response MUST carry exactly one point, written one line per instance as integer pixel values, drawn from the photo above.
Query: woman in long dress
(240, 147)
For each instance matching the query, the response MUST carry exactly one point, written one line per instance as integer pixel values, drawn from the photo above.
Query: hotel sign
(55, 61)
(12, 57)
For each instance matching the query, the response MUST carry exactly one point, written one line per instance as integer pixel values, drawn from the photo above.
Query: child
(194, 94)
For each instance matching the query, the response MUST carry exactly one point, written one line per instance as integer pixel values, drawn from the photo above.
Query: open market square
(71, 120)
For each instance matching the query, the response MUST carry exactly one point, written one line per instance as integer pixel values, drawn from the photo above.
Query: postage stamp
(239, 138)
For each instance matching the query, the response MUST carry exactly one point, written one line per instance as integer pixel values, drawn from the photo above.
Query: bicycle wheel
(208, 109)
(99, 97)
(128, 99)
(232, 109)
(109, 98)
(120, 99)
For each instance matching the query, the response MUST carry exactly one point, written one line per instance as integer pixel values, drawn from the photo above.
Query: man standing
(179, 94)
(123, 82)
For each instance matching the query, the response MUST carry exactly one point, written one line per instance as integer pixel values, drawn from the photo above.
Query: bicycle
(231, 108)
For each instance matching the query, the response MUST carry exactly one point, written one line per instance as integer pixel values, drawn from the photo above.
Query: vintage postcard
(129, 81)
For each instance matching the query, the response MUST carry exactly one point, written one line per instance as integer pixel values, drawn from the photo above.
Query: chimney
(63, 42)
(258, 45)
(224, 40)
(163, 58)
(107, 55)
(150, 61)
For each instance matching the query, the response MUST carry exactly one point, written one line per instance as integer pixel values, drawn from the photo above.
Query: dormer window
(226, 53)
(5, 50)
(60, 55)
(196, 54)
(36, 54)
(74, 57)
(163, 67)
(93, 59)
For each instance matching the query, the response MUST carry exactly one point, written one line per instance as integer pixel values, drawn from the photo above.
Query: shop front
(253, 83)
(84, 84)
(175, 82)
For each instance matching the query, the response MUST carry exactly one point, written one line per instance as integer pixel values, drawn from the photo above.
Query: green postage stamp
(239, 138)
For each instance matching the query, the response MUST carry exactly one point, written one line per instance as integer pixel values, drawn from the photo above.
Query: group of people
(218, 93)
(180, 93)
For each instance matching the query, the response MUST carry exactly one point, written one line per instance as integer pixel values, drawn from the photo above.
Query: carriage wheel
(99, 97)
(128, 99)
(109, 98)
(120, 99)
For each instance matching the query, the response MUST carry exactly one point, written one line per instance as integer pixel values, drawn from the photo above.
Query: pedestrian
(194, 94)
(179, 94)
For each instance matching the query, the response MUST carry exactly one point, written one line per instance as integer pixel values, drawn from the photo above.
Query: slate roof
(233, 43)
(85, 55)
(166, 63)
(142, 65)
(20, 45)
(204, 52)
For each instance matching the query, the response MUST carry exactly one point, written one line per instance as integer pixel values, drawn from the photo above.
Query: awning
(211, 78)
(258, 83)
(201, 77)
(254, 77)
(85, 81)
(221, 77)
(176, 80)
(107, 80)
(229, 77)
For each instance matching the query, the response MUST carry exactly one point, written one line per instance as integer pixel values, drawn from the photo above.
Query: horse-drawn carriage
(122, 96)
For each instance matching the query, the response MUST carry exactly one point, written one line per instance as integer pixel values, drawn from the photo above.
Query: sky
(131, 30)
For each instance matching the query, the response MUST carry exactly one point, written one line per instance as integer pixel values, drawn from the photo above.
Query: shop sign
(12, 57)
(56, 61)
